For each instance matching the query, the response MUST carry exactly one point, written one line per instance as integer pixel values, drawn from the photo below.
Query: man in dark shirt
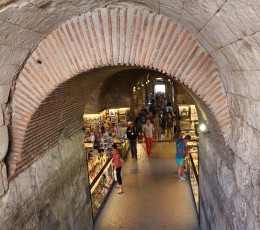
(132, 135)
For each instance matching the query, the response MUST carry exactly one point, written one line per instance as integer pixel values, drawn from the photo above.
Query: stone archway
(110, 36)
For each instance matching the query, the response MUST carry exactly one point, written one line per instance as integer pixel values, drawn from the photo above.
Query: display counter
(193, 167)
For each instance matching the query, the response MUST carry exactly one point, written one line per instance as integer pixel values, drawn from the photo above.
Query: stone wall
(229, 196)
(52, 193)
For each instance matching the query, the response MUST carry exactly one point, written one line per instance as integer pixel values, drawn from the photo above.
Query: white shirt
(148, 130)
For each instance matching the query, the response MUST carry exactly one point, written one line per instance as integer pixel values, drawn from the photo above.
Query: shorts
(179, 161)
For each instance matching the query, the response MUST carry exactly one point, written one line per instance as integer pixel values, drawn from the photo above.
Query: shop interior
(151, 93)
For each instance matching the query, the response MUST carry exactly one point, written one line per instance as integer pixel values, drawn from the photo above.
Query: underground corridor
(70, 69)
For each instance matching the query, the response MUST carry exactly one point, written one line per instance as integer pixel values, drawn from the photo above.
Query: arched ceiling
(110, 36)
(227, 29)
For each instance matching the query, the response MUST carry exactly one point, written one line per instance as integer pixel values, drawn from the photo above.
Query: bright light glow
(159, 88)
(158, 78)
(203, 127)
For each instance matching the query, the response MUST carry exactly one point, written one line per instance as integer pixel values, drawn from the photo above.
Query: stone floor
(153, 197)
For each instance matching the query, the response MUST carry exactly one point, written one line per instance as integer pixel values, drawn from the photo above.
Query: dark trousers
(133, 148)
(118, 175)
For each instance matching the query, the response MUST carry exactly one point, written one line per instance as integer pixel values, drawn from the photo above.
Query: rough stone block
(14, 35)
(226, 177)
(247, 180)
(25, 14)
(4, 93)
(1, 116)
(171, 10)
(3, 179)
(4, 141)
(12, 55)
(245, 138)
(7, 74)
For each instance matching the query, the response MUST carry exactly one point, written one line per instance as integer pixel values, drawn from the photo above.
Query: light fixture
(203, 128)
(134, 89)
(142, 84)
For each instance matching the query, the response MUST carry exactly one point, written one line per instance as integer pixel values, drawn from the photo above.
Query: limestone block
(242, 55)
(12, 55)
(4, 141)
(226, 179)
(48, 25)
(240, 83)
(24, 14)
(50, 161)
(7, 74)
(245, 141)
(248, 180)
(14, 35)
(253, 112)
(3, 179)
(4, 93)
(24, 186)
(231, 23)
(1, 116)
(195, 16)
(171, 10)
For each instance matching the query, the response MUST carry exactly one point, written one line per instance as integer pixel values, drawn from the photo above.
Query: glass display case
(100, 170)
(193, 167)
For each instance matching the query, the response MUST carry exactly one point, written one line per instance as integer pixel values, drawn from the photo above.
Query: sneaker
(181, 178)
(184, 176)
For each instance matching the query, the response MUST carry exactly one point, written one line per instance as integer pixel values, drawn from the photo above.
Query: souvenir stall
(99, 159)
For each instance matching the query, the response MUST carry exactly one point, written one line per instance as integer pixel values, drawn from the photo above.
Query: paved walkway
(153, 197)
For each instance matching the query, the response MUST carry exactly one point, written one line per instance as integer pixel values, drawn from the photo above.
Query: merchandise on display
(99, 158)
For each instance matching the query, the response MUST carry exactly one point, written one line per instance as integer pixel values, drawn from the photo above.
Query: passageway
(153, 197)
(60, 57)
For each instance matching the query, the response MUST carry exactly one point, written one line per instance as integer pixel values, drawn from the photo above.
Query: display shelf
(100, 167)
(95, 182)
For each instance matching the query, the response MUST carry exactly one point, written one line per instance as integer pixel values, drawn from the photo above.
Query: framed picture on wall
(122, 117)
(114, 119)
(121, 111)
(183, 111)
(112, 112)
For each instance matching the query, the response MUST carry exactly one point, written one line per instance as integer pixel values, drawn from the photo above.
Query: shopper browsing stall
(118, 166)
(181, 152)
(169, 126)
(148, 131)
(132, 135)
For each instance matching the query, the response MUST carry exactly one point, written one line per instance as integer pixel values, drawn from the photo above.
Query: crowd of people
(165, 123)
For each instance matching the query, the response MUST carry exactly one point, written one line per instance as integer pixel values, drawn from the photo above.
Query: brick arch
(113, 37)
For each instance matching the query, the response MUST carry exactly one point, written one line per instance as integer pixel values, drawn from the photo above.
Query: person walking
(132, 135)
(181, 152)
(117, 160)
(169, 126)
(157, 127)
(148, 132)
